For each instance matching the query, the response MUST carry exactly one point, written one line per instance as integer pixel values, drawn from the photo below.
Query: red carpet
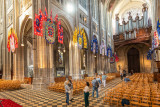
(8, 103)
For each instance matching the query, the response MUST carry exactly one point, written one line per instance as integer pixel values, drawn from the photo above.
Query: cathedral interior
(79, 53)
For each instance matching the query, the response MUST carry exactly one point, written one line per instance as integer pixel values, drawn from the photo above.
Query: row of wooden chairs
(9, 85)
(139, 93)
(110, 76)
(61, 79)
(78, 87)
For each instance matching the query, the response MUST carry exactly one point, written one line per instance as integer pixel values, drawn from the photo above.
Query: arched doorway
(84, 52)
(26, 54)
(133, 60)
(61, 56)
(62, 51)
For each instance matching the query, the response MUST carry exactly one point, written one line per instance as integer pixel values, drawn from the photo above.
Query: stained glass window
(83, 3)
(95, 9)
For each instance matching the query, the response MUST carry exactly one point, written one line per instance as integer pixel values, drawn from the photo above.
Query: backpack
(96, 85)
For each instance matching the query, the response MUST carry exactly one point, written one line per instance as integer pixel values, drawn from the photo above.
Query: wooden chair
(145, 102)
(107, 98)
(135, 100)
(115, 99)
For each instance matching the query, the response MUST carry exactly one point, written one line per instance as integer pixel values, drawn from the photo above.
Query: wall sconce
(64, 50)
(22, 44)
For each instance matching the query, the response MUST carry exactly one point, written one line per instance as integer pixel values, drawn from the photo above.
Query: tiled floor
(46, 98)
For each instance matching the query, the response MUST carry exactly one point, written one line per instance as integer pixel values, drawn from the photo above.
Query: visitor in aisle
(67, 90)
(104, 77)
(121, 74)
(127, 79)
(71, 90)
(95, 85)
(86, 94)
(99, 81)
(132, 72)
(124, 73)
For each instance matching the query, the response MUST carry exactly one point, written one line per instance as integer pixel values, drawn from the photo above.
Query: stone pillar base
(40, 83)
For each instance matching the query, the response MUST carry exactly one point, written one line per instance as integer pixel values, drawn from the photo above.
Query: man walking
(95, 85)
(104, 79)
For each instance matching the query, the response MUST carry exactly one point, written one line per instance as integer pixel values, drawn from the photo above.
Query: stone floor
(46, 98)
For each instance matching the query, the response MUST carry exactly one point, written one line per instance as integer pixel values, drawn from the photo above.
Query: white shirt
(86, 89)
(121, 72)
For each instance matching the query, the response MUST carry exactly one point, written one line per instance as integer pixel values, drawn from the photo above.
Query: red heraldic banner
(60, 33)
(38, 24)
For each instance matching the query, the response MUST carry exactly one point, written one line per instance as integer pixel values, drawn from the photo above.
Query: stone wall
(145, 65)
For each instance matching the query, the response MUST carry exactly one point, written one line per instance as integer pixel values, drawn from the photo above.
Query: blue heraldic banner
(158, 28)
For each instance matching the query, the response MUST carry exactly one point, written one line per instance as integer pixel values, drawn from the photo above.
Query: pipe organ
(130, 28)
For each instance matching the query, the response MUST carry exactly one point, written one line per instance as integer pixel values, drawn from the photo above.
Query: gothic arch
(67, 55)
(66, 24)
(86, 37)
(23, 25)
(125, 44)
(25, 35)
(126, 52)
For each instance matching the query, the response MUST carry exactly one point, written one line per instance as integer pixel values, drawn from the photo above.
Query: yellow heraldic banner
(75, 36)
(81, 41)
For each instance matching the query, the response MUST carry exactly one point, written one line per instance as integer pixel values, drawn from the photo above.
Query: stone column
(154, 25)
(154, 14)
(40, 76)
(89, 63)
(99, 62)
(4, 50)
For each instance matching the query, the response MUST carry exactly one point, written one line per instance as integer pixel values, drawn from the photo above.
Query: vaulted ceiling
(120, 6)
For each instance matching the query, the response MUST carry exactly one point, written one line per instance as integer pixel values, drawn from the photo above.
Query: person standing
(124, 73)
(71, 90)
(132, 72)
(86, 94)
(99, 82)
(104, 77)
(95, 85)
(121, 74)
(67, 90)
